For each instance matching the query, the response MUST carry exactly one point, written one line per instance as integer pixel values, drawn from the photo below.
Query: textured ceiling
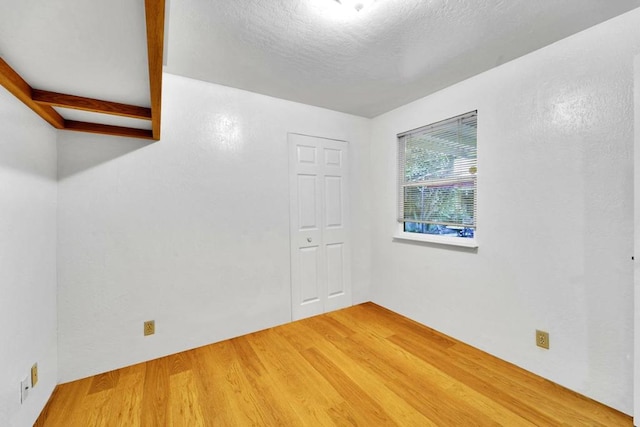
(369, 62)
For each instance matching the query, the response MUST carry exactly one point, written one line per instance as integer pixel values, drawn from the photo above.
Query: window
(437, 166)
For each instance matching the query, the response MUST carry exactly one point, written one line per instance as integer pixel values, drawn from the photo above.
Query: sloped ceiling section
(89, 66)
(322, 53)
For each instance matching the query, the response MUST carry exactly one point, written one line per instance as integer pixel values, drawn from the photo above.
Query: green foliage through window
(437, 177)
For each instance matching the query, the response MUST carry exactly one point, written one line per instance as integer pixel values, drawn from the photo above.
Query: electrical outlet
(25, 385)
(149, 327)
(34, 375)
(542, 339)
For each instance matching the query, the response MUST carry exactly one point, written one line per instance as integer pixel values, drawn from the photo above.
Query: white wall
(192, 231)
(555, 215)
(27, 259)
(636, 227)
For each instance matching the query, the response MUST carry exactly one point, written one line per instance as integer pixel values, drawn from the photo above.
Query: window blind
(437, 170)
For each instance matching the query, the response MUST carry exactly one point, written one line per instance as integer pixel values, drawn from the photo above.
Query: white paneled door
(320, 261)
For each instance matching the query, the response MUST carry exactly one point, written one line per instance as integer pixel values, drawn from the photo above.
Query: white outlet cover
(25, 386)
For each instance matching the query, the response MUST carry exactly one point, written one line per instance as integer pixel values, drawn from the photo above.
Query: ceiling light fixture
(358, 5)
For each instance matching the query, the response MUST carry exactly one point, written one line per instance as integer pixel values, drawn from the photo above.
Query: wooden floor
(361, 366)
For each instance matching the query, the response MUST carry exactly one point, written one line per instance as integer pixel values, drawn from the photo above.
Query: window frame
(400, 234)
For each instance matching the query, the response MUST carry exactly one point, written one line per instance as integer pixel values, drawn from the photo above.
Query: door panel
(335, 270)
(309, 274)
(336, 225)
(333, 201)
(307, 202)
(306, 229)
(307, 154)
(332, 157)
(320, 270)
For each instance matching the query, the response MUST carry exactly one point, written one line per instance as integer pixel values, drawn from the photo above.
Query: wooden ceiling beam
(154, 12)
(77, 126)
(54, 99)
(42, 102)
(21, 90)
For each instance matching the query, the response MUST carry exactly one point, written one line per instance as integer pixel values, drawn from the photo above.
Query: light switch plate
(34, 375)
(542, 339)
(149, 327)
(25, 385)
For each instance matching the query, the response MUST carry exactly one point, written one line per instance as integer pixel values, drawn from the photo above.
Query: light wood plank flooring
(364, 366)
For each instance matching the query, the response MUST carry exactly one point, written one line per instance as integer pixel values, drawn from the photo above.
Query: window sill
(440, 240)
